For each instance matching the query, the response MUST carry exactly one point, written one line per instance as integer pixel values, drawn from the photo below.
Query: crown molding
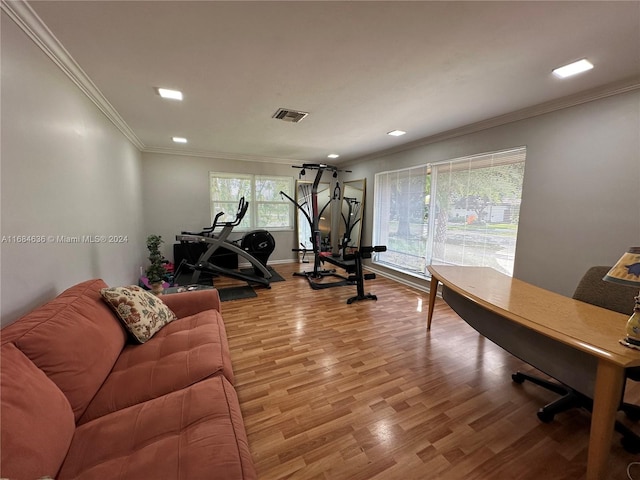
(221, 155)
(27, 19)
(23, 15)
(609, 90)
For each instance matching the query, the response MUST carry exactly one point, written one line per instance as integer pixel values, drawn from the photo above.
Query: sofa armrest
(185, 304)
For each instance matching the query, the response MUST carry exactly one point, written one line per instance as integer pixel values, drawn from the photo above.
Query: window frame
(252, 220)
(512, 156)
(379, 223)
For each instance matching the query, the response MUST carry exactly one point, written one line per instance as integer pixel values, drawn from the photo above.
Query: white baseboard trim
(395, 278)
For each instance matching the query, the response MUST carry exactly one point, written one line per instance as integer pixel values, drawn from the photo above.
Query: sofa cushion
(141, 312)
(37, 420)
(182, 353)
(192, 434)
(75, 339)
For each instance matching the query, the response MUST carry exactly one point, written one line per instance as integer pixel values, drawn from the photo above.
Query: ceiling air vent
(287, 115)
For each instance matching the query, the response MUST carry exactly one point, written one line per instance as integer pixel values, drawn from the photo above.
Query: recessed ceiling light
(333, 155)
(396, 133)
(573, 68)
(172, 94)
(179, 139)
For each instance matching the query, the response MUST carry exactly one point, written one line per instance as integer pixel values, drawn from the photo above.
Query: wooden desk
(571, 326)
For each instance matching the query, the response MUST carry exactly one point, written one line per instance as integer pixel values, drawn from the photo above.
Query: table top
(584, 326)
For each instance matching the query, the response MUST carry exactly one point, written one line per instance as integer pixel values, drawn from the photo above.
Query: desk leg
(608, 390)
(433, 290)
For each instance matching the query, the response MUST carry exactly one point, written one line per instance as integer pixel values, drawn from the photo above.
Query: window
(459, 212)
(267, 209)
(401, 207)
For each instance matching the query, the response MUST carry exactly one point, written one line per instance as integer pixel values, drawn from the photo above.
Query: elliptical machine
(255, 247)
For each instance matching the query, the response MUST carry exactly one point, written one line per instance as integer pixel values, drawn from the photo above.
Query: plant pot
(157, 288)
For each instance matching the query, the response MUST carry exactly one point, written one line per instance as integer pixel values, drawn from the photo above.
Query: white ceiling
(359, 68)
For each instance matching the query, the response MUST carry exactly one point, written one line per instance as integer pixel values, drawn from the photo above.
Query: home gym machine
(255, 247)
(351, 219)
(351, 261)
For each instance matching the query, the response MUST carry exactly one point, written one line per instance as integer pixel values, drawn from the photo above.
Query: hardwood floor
(363, 391)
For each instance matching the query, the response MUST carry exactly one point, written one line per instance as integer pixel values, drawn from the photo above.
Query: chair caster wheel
(633, 415)
(517, 377)
(545, 417)
(630, 444)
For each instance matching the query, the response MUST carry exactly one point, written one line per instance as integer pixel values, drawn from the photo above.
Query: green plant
(155, 271)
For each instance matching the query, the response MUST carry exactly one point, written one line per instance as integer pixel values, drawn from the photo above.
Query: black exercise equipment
(312, 213)
(190, 253)
(351, 261)
(353, 212)
(260, 244)
(255, 247)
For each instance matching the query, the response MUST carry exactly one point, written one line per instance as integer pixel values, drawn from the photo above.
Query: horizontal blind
(400, 218)
(463, 211)
(476, 205)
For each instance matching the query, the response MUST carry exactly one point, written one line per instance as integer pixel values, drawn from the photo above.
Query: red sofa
(78, 401)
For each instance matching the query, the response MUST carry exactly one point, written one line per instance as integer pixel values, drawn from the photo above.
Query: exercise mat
(236, 293)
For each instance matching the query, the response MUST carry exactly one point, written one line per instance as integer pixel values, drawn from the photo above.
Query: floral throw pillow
(141, 312)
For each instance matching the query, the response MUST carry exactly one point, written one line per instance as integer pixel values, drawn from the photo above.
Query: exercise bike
(255, 247)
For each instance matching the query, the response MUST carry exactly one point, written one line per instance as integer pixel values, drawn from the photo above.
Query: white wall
(176, 197)
(65, 171)
(580, 202)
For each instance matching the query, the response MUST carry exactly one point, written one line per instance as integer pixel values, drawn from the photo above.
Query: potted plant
(155, 271)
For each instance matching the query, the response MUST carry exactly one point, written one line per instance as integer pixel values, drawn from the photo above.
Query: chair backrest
(612, 296)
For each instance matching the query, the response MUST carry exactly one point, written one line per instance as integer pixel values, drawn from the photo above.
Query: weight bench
(352, 263)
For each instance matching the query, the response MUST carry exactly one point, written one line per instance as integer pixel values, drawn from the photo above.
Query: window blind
(463, 211)
(476, 205)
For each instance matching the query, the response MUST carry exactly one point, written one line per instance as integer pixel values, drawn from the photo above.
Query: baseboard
(395, 278)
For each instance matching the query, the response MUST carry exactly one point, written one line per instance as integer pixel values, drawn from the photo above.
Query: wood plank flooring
(363, 391)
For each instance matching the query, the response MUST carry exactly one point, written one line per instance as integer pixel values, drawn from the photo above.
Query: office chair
(612, 296)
